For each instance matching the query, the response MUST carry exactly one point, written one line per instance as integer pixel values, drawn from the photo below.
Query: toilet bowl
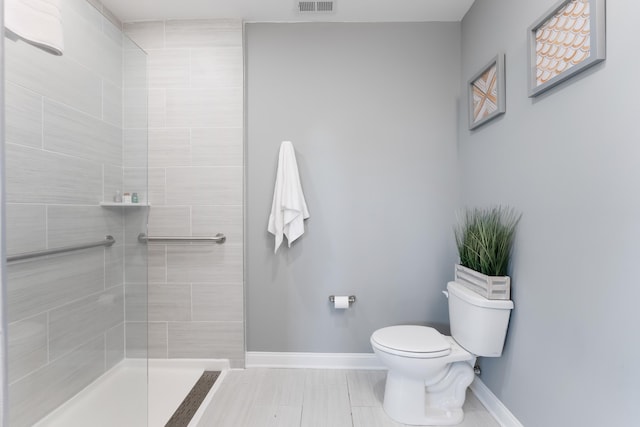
(428, 373)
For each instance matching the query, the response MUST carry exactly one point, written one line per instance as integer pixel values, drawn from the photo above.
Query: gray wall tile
(157, 263)
(75, 323)
(135, 297)
(204, 186)
(216, 67)
(204, 263)
(217, 147)
(71, 132)
(114, 265)
(58, 77)
(157, 107)
(204, 107)
(26, 228)
(206, 340)
(44, 283)
(112, 181)
(135, 148)
(169, 148)
(170, 221)
(210, 220)
(135, 264)
(141, 333)
(168, 68)
(35, 176)
(135, 108)
(34, 396)
(147, 35)
(203, 32)
(70, 225)
(112, 103)
(157, 186)
(27, 346)
(23, 116)
(169, 302)
(136, 180)
(114, 341)
(218, 301)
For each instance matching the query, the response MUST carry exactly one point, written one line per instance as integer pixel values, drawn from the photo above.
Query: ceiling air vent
(315, 6)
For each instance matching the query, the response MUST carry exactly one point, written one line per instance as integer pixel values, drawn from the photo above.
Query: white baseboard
(266, 359)
(495, 407)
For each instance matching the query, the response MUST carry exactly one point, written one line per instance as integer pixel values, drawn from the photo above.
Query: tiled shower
(165, 122)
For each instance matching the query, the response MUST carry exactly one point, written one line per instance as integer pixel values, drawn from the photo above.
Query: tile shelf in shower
(126, 205)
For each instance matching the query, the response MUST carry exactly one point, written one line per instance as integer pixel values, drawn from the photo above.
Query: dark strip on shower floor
(187, 409)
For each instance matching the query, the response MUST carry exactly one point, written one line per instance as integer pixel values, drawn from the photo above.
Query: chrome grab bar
(108, 241)
(218, 238)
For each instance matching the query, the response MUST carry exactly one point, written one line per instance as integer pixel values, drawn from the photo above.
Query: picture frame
(487, 92)
(568, 39)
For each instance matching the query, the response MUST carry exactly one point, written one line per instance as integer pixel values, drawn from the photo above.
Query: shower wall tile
(170, 221)
(86, 43)
(203, 32)
(147, 35)
(112, 27)
(216, 147)
(216, 340)
(42, 284)
(35, 176)
(26, 229)
(204, 186)
(112, 181)
(135, 265)
(157, 263)
(114, 341)
(168, 68)
(139, 335)
(169, 302)
(204, 263)
(217, 67)
(75, 323)
(135, 108)
(135, 69)
(136, 180)
(112, 104)
(23, 116)
(135, 148)
(114, 265)
(157, 106)
(218, 301)
(135, 297)
(57, 77)
(71, 225)
(204, 107)
(210, 220)
(71, 132)
(157, 186)
(27, 346)
(169, 147)
(37, 394)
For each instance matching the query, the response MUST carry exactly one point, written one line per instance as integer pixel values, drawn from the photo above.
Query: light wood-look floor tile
(260, 397)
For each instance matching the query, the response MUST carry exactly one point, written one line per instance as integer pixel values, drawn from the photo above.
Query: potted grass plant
(485, 238)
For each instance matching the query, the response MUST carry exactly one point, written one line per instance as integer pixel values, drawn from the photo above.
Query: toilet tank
(478, 324)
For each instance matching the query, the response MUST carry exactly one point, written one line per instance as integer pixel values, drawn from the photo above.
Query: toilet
(428, 373)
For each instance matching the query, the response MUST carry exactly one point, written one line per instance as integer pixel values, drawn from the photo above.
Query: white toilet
(429, 372)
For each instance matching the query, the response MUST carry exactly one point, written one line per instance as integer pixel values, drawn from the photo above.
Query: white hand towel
(38, 22)
(289, 209)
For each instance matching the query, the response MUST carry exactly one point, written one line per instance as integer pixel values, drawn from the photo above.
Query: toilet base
(408, 401)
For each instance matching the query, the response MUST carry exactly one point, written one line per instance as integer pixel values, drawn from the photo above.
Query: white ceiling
(284, 10)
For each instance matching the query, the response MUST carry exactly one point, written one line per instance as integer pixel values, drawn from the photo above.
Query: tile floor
(261, 397)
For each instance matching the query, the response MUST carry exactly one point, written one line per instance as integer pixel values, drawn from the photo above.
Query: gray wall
(371, 111)
(569, 161)
(196, 305)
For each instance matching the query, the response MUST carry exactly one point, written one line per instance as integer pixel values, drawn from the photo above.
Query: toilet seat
(411, 341)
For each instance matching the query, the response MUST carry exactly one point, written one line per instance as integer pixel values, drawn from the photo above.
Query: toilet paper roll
(341, 302)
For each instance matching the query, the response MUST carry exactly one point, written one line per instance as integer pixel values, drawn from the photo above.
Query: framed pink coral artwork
(567, 40)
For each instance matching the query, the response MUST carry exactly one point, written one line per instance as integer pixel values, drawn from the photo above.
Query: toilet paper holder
(352, 298)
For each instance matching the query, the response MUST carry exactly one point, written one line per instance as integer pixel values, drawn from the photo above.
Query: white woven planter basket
(490, 287)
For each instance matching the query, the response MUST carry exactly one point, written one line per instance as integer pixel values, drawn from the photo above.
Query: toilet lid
(413, 339)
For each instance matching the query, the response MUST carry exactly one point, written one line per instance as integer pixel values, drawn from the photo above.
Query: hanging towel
(289, 209)
(38, 22)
